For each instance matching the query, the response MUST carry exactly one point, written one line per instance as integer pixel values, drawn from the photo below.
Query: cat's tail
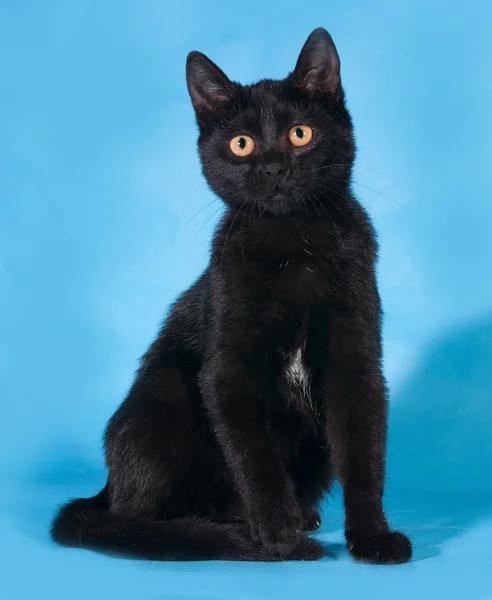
(86, 523)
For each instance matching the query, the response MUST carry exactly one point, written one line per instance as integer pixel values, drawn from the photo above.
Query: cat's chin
(279, 204)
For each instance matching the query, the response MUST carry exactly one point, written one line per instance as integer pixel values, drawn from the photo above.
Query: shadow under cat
(439, 459)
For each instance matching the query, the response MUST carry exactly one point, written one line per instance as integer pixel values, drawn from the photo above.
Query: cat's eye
(300, 135)
(242, 145)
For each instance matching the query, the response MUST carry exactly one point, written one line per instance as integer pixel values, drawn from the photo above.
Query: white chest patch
(296, 372)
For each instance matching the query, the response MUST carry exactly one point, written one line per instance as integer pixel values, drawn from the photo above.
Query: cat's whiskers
(210, 217)
(338, 192)
(378, 192)
(326, 167)
(372, 162)
(331, 218)
(353, 181)
(200, 185)
(229, 231)
(322, 189)
(200, 211)
(311, 199)
(333, 166)
(305, 205)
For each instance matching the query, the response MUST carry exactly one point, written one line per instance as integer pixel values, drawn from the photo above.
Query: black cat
(265, 381)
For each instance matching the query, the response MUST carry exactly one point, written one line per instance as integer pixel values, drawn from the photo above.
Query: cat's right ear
(209, 88)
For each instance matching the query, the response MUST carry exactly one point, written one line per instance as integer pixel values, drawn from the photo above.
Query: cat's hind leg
(165, 486)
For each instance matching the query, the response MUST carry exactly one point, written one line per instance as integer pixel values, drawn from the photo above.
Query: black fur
(265, 381)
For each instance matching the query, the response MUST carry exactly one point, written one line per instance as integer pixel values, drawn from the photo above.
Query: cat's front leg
(236, 394)
(356, 421)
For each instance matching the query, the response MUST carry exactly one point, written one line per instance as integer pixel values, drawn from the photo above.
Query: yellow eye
(242, 145)
(300, 135)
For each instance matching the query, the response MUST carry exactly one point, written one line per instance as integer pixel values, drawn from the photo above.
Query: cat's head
(276, 146)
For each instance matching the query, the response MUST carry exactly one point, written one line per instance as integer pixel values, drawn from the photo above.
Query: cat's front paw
(278, 528)
(389, 548)
(311, 519)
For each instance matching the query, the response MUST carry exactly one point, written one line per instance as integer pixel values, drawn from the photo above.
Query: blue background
(100, 193)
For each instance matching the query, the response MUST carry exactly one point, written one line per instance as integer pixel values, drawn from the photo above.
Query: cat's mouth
(277, 198)
(278, 194)
(279, 202)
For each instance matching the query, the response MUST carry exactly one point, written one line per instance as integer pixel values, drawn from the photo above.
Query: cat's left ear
(318, 65)
(209, 88)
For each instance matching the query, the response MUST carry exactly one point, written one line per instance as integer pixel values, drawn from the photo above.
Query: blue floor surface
(453, 559)
(105, 218)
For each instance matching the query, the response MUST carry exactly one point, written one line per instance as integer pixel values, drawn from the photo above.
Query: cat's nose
(273, 171)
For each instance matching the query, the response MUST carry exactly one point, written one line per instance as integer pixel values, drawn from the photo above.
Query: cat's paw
(278, 528)
(389, 548)
(311, 519)
(307, 549)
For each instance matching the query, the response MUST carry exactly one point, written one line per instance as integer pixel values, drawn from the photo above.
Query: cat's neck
(324, 217)
(273, 235)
